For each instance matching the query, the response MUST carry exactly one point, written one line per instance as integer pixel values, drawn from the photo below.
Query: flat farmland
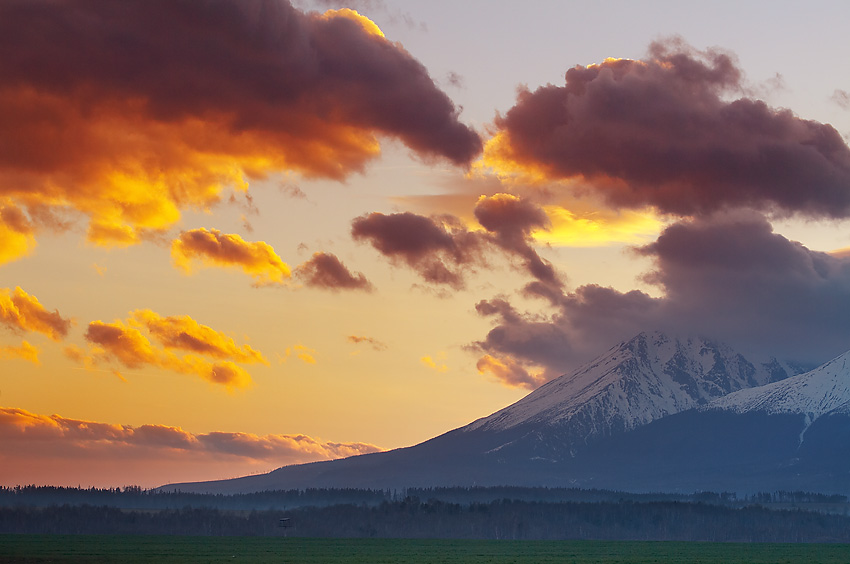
(22, 549)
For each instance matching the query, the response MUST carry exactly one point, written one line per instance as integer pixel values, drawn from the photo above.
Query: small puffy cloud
(439, 249)
(184, 333)
(374, 343)
(509, 217)
(214, 248)
(509, 372)
(326, 271)
(86, 446)
(662, 132)
(126, 344)
(304, 354)
(196, 99)
(437, 364)
(25, 351)
(20, 311)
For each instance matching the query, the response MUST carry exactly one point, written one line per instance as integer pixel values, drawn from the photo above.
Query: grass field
(196, 550)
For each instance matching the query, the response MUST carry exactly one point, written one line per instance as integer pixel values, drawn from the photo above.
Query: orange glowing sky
(274, 233)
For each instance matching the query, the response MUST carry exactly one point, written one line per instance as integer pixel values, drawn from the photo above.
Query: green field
(161, 549)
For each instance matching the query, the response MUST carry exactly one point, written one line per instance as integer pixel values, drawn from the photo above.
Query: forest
(450, 513)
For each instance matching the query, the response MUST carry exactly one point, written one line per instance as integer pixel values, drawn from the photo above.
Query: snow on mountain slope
(825, 389)
(634, 383)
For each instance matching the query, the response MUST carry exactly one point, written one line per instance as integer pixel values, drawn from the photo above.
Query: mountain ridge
(635, 382)
(645, 416)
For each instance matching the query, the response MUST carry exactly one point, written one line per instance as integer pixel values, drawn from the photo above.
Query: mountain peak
(820, 391)
(635, 382)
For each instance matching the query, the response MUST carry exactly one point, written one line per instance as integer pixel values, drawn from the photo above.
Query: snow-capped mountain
(603, 425)
(822, 391)
(788, 435)
(636, 382)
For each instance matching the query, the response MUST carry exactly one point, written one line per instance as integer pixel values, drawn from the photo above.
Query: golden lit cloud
(365, 23)
(500, 160)
(509, 372)
(25, 352)
(597, 228)
(841, 253)
(305, 354)
(46, 435)
(214, 248)
(23, 312)
(134, 133)
(17, 238)
(437, 364)
(184, 333)
(125, 344)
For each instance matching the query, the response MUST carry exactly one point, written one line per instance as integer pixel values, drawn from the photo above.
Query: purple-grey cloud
(325, 270)
(440, 249)
(662, 132)
(727, 276)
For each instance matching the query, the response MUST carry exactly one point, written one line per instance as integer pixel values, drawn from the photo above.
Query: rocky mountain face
(636, 382)
(655, 413)
(788, 435)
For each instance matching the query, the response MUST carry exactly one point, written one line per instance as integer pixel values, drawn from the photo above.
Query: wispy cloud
(90, 446)
(24, 351)
(372, 342)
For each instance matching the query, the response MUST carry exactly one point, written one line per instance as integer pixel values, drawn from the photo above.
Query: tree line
(413, 518)
(134, 497)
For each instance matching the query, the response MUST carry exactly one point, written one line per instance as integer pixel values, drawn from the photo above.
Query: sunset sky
(240, 235)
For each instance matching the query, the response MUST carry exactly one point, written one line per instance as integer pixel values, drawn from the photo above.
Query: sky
(240, 235)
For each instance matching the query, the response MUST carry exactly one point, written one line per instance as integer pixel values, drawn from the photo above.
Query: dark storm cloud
(325, 270)
(132, 111)
(733, 276)
(265, 64)
(728, 276)
(662, 132)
